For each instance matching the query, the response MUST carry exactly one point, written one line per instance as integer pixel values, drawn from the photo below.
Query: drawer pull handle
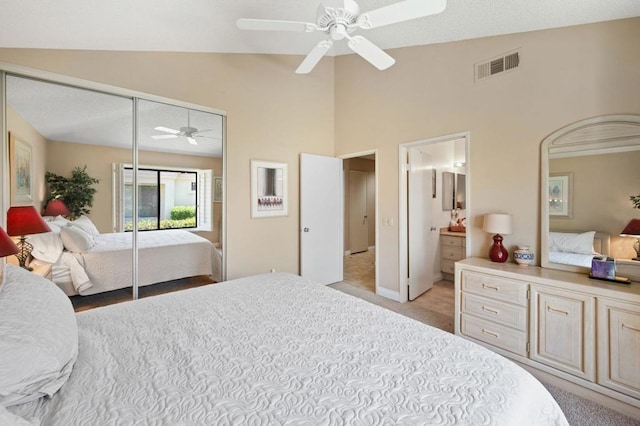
(490, 333)
(490, 287)
(630, 328)
(557, 311)
(493, 311)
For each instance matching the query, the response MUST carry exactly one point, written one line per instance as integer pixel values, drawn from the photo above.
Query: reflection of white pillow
(84, 223)
(569, 242)
(75, 239)
(38, 337)
(8, 418)
(47, 246)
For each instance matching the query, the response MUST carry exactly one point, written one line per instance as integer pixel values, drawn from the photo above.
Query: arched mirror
(589, 171)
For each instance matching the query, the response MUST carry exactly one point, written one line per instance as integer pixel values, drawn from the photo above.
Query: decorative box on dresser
(565, 328)
(452, 248)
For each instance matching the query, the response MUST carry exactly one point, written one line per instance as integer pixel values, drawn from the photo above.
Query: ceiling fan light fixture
(340, 18)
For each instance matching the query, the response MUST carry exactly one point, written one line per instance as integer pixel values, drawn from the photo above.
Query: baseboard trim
(389, 294)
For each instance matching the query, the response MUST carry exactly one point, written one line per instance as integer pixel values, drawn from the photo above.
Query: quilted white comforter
(162, 256)
(277, 349)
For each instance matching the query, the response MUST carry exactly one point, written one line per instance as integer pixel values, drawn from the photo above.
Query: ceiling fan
(188, 132)
(340, 18)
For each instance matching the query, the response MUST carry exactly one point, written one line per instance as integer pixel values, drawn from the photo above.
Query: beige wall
(565, 75)
(272, 114)
(601, 188)
(24, 132)
(64, 157)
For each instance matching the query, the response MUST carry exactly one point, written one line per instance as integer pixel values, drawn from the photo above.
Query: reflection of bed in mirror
(86, 262)
(577, 248)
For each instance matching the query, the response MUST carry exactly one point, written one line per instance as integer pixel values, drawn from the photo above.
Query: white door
(321, 218)
(420, 222)
(358, 221)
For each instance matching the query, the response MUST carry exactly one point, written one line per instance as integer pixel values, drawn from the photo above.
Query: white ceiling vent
(491, 67)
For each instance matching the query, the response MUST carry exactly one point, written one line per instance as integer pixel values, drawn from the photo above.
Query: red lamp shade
(56, 208)
(7, 246)
(632, 228)
(25, 220)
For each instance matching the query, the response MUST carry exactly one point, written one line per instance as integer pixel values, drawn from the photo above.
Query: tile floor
(359, 271)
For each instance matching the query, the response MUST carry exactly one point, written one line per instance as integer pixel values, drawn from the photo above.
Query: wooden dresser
(452, 248)
(566, 329)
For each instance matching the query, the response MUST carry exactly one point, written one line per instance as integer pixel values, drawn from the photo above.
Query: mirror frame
(607, 132)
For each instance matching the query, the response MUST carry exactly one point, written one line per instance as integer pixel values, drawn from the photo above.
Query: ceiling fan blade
(372, 53)
(164, 136)
(399, 12)
(166, 129)
(272, 25)
(314, 57)
(191, 140)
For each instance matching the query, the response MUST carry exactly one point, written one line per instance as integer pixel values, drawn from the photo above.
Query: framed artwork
(268, 189)
(20, 169)
(560, 187)
(217, 189)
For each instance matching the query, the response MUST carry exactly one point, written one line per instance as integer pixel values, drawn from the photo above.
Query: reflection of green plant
(147, 224)
(75, 192)
(183, 212)
(635, 199)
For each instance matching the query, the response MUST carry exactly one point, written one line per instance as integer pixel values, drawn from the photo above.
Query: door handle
(364, 220)
(306, 229)
(433, 228)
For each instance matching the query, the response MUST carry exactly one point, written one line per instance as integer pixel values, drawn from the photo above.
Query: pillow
(569, 242)
(8, 418)
(61, 221)
(75, 239)
(38, 337)
(84, 223)
(47, 246)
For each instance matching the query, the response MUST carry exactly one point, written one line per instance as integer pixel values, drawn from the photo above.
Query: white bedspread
(577, 259)
(162, 256)
(277, 349)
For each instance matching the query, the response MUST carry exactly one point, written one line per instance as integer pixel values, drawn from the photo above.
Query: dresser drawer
(452, 241)
(493, 310)
(448, 265)
(494, 287)
(494, 334)
(452, 252)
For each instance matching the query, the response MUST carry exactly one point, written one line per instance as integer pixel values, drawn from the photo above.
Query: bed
(267, 349)
(87, 262)
(577, 248)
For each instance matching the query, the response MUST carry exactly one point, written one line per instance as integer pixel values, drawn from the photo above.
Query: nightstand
(42, 269)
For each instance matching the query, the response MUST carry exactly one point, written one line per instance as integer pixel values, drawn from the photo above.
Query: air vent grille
(491, 67)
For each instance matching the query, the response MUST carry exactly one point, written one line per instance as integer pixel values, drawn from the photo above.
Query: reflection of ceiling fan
(340, 18)
(188, 132)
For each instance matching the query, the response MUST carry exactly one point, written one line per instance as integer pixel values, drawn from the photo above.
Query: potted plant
(75, 192)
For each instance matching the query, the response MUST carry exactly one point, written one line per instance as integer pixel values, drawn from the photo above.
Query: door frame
(403, 226)
(377, 224)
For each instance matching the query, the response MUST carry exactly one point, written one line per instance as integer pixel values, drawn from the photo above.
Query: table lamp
(7, 246)
(21, 221)
(498, 223)
(633, 230)
(56, 208)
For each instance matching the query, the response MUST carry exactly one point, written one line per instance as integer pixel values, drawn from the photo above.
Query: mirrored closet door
(140, 183)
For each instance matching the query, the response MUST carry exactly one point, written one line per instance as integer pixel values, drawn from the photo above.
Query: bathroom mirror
(453, 191)
(589, 169)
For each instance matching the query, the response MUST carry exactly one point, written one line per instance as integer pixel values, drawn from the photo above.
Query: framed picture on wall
(217, 189)
(20, 169)
(560, 187)
(268, 189)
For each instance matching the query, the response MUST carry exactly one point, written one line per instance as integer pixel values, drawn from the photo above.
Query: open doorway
(360, 233)
(428, 205)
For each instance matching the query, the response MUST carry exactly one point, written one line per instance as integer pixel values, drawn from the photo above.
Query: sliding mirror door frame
(47, 77)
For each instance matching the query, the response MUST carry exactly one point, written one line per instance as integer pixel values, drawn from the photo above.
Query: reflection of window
(167, 198)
